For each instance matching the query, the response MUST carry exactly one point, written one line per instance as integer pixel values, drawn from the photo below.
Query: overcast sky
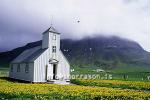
(23, 21)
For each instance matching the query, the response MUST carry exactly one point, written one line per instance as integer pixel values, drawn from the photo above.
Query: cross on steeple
(51, 20)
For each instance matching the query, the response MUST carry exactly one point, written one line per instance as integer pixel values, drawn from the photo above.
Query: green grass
(95, 89)
(135, 85)
(88, 70)
(125, 72)
(131, 72)
(4, 72)
(124, 68)
(12, 90)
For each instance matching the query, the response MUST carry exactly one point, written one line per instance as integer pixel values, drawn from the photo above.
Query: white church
(45, 63)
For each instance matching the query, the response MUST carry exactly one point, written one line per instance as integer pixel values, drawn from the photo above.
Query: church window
(18, 68)
(27, 68)
(54, 49)
(11, 67)
(54, 37)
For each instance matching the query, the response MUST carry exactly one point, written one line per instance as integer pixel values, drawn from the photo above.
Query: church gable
(51, 29)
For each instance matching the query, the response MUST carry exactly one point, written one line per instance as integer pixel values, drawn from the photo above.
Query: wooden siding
(22, 75)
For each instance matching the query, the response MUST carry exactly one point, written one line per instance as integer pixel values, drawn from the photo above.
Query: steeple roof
(51, 29)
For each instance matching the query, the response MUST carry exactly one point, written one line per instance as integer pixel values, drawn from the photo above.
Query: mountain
(6, 57)
(103, 52)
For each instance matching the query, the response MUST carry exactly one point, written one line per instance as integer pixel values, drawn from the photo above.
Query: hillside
(103, 52)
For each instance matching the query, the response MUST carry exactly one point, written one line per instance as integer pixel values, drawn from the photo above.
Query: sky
(23, 21)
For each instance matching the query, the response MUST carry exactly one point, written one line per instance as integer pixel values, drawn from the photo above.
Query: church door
(54, 71)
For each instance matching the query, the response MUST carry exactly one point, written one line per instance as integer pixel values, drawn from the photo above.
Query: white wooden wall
(22, 75)
(45, 41)
(40, 67)
(63, 67)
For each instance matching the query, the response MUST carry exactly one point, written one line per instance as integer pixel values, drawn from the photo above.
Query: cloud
(25, 20)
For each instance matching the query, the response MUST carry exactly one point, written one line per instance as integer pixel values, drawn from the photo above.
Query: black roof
(29, 55)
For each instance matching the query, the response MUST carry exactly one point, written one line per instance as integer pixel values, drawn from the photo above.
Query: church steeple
(51, 37)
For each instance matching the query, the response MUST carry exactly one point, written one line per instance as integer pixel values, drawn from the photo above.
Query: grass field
(4, 72)
(22, 91)
(125, 72)
(135, 85)
(120, 89)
